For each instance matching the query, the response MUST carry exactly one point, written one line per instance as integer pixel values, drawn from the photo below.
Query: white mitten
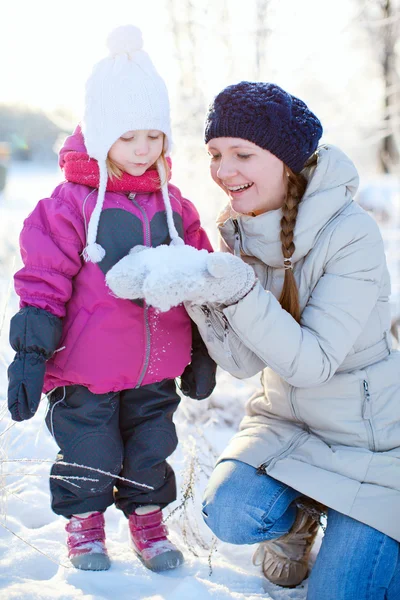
(227, 280)
(176, 278)
(125, 279)
(167, 266)
(217, 277)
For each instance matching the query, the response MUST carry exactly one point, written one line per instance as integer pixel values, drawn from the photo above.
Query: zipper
(211, 322)
(147, 331)
(367, 415)
(221, 332)
(237, 248)
(267, 278)
(227, 346)
(292, 445)
(148, 343)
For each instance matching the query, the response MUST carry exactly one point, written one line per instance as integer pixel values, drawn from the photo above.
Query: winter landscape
(33, 557)
(336, 67)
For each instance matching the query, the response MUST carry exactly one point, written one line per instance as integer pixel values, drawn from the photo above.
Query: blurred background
(342, 58)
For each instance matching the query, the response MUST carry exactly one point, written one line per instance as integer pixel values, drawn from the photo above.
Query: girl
(301, 294)
(108, 364)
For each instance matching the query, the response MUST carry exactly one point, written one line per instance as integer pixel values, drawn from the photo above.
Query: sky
(47, 54)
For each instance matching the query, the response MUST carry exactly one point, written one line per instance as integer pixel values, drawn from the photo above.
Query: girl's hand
(34, 335)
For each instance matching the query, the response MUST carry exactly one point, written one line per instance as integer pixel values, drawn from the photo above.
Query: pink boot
(86, 542)
(150, 542)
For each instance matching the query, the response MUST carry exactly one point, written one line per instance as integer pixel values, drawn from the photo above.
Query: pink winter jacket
(108, 344)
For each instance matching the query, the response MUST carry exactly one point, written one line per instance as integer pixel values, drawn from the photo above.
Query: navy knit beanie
(263, 113)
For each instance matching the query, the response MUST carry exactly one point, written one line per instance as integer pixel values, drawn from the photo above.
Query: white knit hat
(123, 93)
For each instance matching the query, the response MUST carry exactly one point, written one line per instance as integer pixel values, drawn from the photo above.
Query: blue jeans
(355, 561)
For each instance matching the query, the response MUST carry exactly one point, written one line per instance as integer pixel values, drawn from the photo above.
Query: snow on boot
(86, 542)
(285, 559)
(149, 540)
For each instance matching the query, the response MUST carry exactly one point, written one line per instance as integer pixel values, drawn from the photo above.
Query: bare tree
(187, 20)
(382, 19)
(261, 34)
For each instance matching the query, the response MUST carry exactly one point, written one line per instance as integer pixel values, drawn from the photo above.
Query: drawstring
(52, 411)
(45, 415)
(173, 233)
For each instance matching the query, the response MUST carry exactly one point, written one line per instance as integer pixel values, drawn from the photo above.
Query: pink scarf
(79, 168)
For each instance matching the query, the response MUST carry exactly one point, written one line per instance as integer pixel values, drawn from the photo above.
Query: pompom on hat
(123, 93)
(263, 113)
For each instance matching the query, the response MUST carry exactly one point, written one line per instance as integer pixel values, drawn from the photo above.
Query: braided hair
(296, 186)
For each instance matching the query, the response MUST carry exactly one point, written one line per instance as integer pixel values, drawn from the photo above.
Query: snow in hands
(166, 276)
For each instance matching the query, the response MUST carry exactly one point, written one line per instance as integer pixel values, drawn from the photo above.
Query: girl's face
(136, 151)
(252, 177)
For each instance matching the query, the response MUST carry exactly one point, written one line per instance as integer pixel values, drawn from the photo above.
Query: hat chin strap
(173, 233)
(93, 251)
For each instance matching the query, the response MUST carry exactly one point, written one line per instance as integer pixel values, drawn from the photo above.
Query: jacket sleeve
(308, 354)
(195, 235)
(51, 242)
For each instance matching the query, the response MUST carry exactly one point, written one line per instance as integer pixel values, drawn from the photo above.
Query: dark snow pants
(128, 434)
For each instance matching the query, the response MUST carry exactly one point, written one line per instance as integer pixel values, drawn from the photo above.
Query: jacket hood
(332, 184)
(73, 143)
(333, 170)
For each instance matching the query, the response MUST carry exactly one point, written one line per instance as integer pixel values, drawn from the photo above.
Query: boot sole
(91, 562)
(163, 562)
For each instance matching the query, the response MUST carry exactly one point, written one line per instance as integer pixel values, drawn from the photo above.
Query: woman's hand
(221, 278)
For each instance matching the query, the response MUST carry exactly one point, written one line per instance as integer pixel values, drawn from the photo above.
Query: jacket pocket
(292, 445)
(71, 336)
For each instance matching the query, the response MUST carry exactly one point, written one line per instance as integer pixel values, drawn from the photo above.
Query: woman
(326, 427)
(301, 295)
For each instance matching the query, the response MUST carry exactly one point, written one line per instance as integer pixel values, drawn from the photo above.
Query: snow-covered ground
(33, 560)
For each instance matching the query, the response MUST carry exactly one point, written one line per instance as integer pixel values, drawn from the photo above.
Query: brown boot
(285, 560)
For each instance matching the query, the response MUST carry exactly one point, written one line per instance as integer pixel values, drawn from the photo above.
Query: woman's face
(252, 177)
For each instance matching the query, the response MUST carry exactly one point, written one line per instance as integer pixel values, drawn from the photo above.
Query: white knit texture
(126, 39)
(123, 93)
(166, 276)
